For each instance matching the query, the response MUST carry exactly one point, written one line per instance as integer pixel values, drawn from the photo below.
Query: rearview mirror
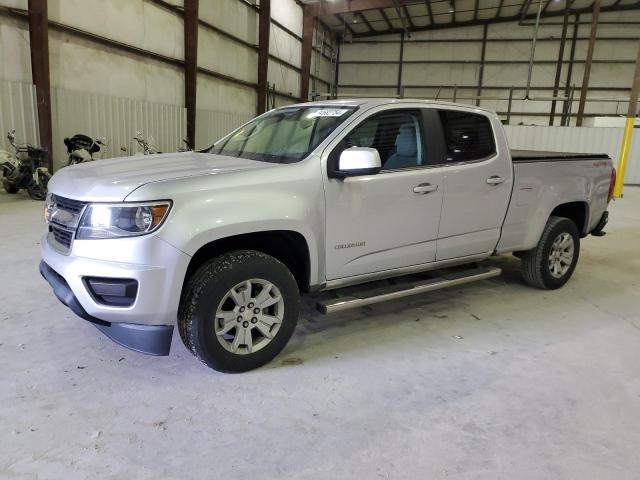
(356, 161)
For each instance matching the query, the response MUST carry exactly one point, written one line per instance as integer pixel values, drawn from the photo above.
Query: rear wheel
(239, 311)
(8, 187)
(552, 262)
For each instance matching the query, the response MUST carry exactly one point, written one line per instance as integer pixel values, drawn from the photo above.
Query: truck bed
(541, 156)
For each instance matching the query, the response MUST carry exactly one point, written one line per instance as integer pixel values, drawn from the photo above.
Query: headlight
(116, 220)
(48, 207)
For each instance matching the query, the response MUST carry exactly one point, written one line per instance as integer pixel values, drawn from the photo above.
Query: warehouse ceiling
(413, 15)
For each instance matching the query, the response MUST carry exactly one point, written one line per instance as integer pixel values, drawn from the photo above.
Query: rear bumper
(149, 339)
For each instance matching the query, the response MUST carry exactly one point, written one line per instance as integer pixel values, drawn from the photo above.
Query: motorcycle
(24, 169)
(81, 148)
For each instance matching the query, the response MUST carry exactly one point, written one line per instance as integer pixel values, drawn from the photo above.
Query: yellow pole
(628, 131)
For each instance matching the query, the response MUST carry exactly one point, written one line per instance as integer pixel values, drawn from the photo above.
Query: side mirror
(356, 161)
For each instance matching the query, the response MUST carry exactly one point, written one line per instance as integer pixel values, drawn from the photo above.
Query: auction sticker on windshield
(328, 112)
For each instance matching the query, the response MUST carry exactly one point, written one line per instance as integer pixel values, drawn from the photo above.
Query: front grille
(61, 236)
(63, 221)
(73, 206)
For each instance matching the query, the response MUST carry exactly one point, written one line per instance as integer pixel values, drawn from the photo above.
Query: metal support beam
(264, 26)
(556, 84)
(567, 90)
(430, 12)
(587, 67)
(632, 112)
(305, 60)
(336, 77)
(482, 58)
(39, 44)
(408, 17)
(400, 60)
(386, 18)
(190, 67)
(346, 6)
(364, 20)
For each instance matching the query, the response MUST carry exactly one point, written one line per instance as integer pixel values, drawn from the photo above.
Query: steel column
(556, 84)
(400, 60)
(587, 67)
(264, 26)
(190, 67)
(564, 121)
(482, 57)
(307, 43)
(39, 45)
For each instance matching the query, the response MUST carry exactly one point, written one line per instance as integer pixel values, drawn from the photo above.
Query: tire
(39, 192)
(539, 268)
(208, 294)
(9, 188)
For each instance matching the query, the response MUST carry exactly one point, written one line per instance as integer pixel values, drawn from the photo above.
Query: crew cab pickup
(306, 198)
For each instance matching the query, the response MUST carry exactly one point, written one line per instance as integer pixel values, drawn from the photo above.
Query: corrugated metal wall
(117, 119)
(577, 139)
(18, 111)
(212, 125)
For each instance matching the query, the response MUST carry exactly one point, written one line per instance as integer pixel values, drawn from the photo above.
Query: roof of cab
(374, 102)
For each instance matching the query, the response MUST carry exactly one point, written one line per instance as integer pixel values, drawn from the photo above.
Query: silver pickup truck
(307, 198)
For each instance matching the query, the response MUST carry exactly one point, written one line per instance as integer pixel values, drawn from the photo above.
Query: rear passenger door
(477, 178)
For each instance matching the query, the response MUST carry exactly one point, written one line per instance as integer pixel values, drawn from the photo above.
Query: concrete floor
(492, 380)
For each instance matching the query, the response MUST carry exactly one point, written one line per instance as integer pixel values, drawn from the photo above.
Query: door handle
(424, 188)
(495, 180)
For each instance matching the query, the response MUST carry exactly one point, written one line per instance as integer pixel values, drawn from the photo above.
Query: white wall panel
(284, 46)
(284, 78)
(135, 22)
(369, 51)
(222, 55)
(289, 14)
(231, 16)
(18, 111)
(83, 65)
(577, 139)
(14, 50)
(214, 94)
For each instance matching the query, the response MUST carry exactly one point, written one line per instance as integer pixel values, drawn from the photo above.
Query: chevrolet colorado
(304, 198)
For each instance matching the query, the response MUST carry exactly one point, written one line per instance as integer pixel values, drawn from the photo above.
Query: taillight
(612, 184)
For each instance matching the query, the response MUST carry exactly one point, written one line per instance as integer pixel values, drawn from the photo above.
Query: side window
(397, 137)
(468, 136)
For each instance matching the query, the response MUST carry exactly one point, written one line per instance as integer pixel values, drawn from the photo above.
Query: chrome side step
(378, 295)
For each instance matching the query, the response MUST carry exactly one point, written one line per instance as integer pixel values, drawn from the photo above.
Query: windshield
(285, 135)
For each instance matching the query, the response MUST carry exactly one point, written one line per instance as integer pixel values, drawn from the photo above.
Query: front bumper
(150, 339)
(145, 326)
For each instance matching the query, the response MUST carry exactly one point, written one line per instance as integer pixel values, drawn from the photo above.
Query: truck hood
(114, 179)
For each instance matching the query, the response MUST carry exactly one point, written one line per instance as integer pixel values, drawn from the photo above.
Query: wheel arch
(577, 212)
(288, 246)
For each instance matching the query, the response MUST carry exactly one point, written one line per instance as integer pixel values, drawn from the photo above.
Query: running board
(392, 292)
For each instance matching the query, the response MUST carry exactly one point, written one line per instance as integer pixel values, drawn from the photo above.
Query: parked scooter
(81, 148)
(24, 169)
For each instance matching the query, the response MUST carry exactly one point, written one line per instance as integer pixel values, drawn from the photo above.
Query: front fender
(274, 201)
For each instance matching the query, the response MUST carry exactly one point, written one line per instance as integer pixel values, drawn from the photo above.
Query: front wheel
(239, 310)
(552, 262)
(38, 191)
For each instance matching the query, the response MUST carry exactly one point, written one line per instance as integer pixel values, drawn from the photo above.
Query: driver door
(388, 220)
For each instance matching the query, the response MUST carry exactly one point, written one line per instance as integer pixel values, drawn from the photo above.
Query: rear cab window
(468, 136)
